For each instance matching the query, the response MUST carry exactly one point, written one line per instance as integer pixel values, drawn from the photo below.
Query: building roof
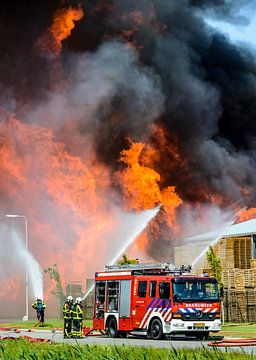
(244, 228)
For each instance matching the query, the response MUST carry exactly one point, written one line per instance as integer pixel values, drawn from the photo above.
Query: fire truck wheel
(112, 328)
(156, 329)
(203, 336)
(123, 334)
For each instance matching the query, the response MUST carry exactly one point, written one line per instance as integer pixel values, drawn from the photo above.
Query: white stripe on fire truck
(149, 312)
(122, 273)
(167, 314)
(194, 310)
(206, 310)
(182, 310)
(169, 317)
(145, 317)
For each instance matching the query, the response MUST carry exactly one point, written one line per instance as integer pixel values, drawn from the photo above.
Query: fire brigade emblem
(199, 314)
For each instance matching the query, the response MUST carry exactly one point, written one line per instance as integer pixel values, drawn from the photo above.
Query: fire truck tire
(123, 334)
(112, 328)
(156, 329)
(203, 335)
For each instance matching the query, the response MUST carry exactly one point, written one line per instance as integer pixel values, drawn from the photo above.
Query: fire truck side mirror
(174, 297)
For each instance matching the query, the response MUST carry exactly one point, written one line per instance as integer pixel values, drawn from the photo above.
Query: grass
(50, 324)
(244, 330)
(228, 330)
(22, 349)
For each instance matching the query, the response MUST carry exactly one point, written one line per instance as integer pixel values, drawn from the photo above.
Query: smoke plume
(143, 103)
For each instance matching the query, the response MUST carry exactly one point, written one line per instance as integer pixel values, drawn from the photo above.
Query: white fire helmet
(79, 300)
(70, 298)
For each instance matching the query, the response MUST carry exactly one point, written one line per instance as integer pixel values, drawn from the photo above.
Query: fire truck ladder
(150, 268)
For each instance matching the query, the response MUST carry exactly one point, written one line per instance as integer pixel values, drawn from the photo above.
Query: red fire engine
(155, 299)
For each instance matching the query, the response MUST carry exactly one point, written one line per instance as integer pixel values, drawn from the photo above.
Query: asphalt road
(177, 343)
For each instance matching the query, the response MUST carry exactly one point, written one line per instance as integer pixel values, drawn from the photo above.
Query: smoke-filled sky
(111, 106)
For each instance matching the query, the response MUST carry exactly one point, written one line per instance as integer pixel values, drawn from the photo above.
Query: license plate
(199, 325)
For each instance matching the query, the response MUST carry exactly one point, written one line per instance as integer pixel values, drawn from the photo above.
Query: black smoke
(206, 85)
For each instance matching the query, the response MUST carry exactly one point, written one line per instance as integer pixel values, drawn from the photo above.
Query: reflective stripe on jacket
(38, 305)
(77, 312)
(67, 311)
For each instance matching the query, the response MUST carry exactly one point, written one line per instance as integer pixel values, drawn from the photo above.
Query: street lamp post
(25, 318)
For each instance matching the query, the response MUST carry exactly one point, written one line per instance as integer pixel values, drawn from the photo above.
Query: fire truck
(155, 299)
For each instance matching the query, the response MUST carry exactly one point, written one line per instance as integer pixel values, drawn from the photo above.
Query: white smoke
(196, 220)
(204, 227)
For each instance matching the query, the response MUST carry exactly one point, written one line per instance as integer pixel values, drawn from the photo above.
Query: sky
(237, 32)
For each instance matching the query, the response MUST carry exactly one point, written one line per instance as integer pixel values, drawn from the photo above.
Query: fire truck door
(140, 304)
(125, 298)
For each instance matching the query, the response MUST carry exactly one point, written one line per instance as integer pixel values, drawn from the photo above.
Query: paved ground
(180, 342)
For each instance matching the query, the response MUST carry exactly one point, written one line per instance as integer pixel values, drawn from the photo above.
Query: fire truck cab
(154, 300)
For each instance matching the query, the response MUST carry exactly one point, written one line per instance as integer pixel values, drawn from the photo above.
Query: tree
(58, 292)
(215, 265)
(126, 261)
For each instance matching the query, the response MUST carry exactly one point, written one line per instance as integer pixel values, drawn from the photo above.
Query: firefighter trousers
(40, 315)
(77, 328)
(67, 328)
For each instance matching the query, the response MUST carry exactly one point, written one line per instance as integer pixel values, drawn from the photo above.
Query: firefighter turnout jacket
(77, 312)
(38, 305)
(67, 310)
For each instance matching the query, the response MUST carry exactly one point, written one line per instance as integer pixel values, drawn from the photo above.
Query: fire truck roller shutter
(125, 298)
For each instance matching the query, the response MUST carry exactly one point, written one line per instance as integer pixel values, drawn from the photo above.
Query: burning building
(110, 107)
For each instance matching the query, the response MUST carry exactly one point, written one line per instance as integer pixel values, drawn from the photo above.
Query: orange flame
(53, 188)
(247, 214)
(139, 183)
(63, 22)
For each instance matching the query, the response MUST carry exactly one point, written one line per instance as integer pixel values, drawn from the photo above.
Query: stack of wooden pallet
(228, 261)
(249, 278)
(250, 300)
(225, 279)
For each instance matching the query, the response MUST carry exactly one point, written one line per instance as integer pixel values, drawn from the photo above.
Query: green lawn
(22, 349)
(228, 330)
(49, 324)
(245, 330)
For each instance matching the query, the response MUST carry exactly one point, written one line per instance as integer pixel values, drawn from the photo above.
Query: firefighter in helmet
(67, 315)
(39, 306)
(77, 318)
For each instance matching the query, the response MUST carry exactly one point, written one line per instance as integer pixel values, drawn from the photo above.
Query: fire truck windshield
(195, 290)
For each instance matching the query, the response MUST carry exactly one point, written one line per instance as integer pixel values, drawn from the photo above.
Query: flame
(246, 214)
(53, 187)
(63, 23)
(139, 183)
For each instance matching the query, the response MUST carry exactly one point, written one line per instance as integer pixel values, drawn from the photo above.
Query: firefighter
(67, 315)
(78, 318)
(39, 306)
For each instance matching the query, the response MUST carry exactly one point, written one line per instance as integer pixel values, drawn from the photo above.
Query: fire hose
(30, 339)
(233, 342)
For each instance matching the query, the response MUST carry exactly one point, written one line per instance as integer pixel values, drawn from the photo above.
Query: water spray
(143, 220)
(212, 242)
